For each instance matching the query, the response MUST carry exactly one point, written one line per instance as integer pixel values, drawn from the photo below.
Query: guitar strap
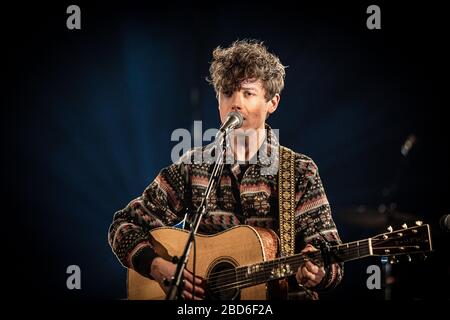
(286, 200)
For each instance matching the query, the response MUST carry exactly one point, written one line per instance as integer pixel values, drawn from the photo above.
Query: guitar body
(237, 246)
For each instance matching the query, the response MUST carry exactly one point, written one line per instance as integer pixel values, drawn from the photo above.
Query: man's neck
(246, 145)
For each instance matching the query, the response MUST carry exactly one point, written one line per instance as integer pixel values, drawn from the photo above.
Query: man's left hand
(309, 274)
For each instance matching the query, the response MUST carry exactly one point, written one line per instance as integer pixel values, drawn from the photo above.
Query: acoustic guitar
(241, 263)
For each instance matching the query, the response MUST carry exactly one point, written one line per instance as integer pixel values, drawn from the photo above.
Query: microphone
(444, 222)
(234, 121)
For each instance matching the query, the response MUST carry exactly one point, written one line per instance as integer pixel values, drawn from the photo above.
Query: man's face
(250, 102)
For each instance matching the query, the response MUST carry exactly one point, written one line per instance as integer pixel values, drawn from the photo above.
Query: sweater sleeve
(313, 220)
(161, 204)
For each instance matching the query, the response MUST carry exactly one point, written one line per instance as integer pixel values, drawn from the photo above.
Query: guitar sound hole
(221, 282)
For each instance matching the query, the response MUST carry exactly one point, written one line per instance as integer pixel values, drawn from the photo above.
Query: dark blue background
(89, 115)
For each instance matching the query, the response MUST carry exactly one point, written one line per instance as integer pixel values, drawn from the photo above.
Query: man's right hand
(162, 270)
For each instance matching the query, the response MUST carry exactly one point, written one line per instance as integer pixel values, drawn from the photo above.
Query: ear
(273, 103)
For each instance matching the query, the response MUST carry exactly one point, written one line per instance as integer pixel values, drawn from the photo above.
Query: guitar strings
(261, 276)
(236, 284)
(259, 279)
(293, 259)
(225, 276)
(233, 272)
(274, 262)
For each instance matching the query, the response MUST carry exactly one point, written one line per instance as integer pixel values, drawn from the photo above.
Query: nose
(236, 103)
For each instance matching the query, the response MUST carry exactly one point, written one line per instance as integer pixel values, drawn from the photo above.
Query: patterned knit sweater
(244, 195)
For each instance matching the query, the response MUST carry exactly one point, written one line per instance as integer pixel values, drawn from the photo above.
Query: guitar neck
(250, 275)
(406, 241)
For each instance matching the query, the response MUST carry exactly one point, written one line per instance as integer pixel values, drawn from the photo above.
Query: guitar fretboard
(250, 275)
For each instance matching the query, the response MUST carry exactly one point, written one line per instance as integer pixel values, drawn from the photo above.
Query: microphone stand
(176, 287)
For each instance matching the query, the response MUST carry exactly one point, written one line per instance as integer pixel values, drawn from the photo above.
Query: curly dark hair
(244, 60)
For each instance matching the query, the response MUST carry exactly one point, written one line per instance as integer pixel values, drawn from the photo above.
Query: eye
(248, 93)
(226, 93)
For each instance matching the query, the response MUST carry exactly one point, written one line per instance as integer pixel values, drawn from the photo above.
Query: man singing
(247, 79)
